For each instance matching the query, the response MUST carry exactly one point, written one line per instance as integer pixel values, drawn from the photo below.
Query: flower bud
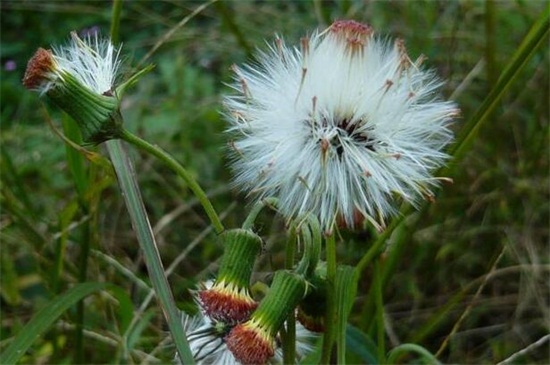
(229, 300)
(78, 78)
(253, 342)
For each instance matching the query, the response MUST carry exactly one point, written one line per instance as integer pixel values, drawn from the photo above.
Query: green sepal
(241, 246)
(98, 116)
(286, 291)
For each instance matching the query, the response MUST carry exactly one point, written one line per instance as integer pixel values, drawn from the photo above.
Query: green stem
(330, 317)
(181, 172)
(81, 177)
(227, 19)
(115, 21)
(256, 209)
(140, 222)
(380, 334)
(289, 333)
(376, 248)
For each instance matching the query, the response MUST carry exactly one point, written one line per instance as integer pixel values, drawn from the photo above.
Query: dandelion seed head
(341, 126)
(93, 61)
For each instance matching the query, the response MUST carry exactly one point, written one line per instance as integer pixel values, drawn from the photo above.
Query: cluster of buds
(232, 327)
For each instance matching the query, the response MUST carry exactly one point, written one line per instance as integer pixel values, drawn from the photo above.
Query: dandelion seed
(342, 124)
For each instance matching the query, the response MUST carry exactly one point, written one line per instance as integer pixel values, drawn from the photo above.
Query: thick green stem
(140, 222)
(256, 209)
(330, 316)
(181, 172)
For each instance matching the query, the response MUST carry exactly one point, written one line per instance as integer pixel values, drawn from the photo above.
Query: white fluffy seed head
(93, 61)
(339, 127)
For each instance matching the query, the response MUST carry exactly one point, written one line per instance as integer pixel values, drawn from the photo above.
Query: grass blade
(531, 42)
(346, 289)
(51, 312)
(142, 227)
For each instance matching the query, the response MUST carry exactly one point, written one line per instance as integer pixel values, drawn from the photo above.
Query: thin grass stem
(181, 172)
(330, 317)
(380, 332)
(227, 18)
(289, 331)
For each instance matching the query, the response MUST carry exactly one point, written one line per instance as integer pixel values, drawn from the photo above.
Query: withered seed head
(38, 66)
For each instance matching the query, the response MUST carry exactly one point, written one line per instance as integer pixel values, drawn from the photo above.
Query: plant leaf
(52, 311)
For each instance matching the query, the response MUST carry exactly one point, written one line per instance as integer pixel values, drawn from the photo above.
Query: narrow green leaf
(51, 312)
(9, 289)
(345, 291)
(532, 41)
(406, 348)
(75, 161)
(361, 345)
(134, 333)
(11, 177)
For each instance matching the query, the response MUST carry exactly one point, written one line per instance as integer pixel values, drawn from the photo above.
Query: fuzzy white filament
(339, 127)
(93, 61)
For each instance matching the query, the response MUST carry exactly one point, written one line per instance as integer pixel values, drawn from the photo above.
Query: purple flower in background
(10, 65)
(92, 31)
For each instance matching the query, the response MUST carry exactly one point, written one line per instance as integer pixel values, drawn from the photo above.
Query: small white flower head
(206, 340)
(339, 127)
(92, 61)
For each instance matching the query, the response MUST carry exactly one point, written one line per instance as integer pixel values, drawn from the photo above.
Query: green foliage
(497, 204)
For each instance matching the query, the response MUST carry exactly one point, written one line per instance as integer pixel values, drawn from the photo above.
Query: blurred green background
(493, 218)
